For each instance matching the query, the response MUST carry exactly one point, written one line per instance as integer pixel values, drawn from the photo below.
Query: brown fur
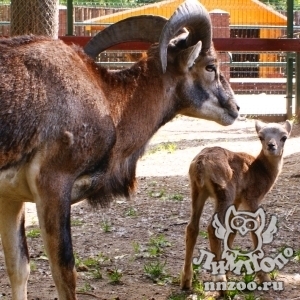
(71, 130)
(232, 178)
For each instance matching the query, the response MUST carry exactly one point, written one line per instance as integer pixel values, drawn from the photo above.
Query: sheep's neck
(136, 112)
(272, 164)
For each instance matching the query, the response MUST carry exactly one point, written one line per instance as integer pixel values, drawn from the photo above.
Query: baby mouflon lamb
(232, 178)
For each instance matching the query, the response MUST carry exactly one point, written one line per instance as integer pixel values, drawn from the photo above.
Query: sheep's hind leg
(12, 218)
(192, 231)
(223, 202)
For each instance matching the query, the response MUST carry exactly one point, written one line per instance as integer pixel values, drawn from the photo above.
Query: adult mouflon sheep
(71, 130)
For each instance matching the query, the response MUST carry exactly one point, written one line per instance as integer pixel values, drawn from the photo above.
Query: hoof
(186, 281)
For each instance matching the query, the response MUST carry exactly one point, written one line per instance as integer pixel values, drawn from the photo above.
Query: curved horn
(192, 15)
(144, 28)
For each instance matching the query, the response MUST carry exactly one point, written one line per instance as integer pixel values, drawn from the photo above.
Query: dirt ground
(116, 248)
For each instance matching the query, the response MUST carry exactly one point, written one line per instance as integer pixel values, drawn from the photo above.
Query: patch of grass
(230, 295)
(91, 262)
(159, 241)
(34, 233)
(297, 255)
(177, 296)
(168, 147)
(273, 274)
(131, 212)
(106, 226)
(176, 197)
(115, 275)
(250, 296)
(157, 194)
(155, 270)
(33, 266)
(136, 247)
(86, 287)
(96, 273)
(203, 234)
(78, 261)
(76, 222)
(248, 278)
(157, 245)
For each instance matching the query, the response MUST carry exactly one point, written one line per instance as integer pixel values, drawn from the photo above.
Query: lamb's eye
(261, 138)
(210, 68)
(283, 139)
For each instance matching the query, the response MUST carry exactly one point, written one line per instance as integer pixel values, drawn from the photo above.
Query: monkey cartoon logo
(244, 222)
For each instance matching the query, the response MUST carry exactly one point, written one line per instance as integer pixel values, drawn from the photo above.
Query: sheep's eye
(283, 139)
(210, 68)
(261, 138)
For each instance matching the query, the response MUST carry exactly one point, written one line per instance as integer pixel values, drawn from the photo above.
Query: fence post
(70, 18)
(38, 17)
(297, 85)
(289, 61)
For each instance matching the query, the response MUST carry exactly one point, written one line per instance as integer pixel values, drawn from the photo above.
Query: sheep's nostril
(271, 146)
(237, 107)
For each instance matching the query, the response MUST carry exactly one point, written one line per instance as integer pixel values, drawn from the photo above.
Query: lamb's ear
(188, 56)
(288, 126)
(259, 125)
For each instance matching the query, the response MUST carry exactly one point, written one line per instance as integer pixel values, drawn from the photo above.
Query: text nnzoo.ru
(241, 286)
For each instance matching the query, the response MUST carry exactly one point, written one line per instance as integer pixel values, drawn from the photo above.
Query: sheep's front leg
(12, 218)
(253, 206)
(53, 208)
(192, 231)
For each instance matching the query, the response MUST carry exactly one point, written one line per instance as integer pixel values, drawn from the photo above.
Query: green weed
(86, 287)
(34, 233)
(203, 234)
(106, 226)
(136, 247)
(155, 270)
(179, 296)
(157, 194)
(76, 222)
(131, 212)
(33, 266)
(250, 296)
(248, 278)
(96, 273)
(157, 244)
(115, 275)
(176, 197)
(168, 147)
(273, 274)
(297, 255)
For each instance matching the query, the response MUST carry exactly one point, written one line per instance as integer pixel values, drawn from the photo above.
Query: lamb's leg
(15, 247)
(223, 202)
(253, 205)
(261, 275)
(192, 231)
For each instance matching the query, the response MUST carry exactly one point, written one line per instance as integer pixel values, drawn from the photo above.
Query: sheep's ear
(189, 55)
(259, 125)
(288, 126)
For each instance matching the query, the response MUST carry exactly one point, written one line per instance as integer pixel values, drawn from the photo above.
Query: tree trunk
(39, 17)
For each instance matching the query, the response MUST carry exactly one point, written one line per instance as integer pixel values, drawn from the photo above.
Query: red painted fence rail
(221, 44)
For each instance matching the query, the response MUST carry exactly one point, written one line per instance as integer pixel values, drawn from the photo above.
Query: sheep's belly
(14, 185)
